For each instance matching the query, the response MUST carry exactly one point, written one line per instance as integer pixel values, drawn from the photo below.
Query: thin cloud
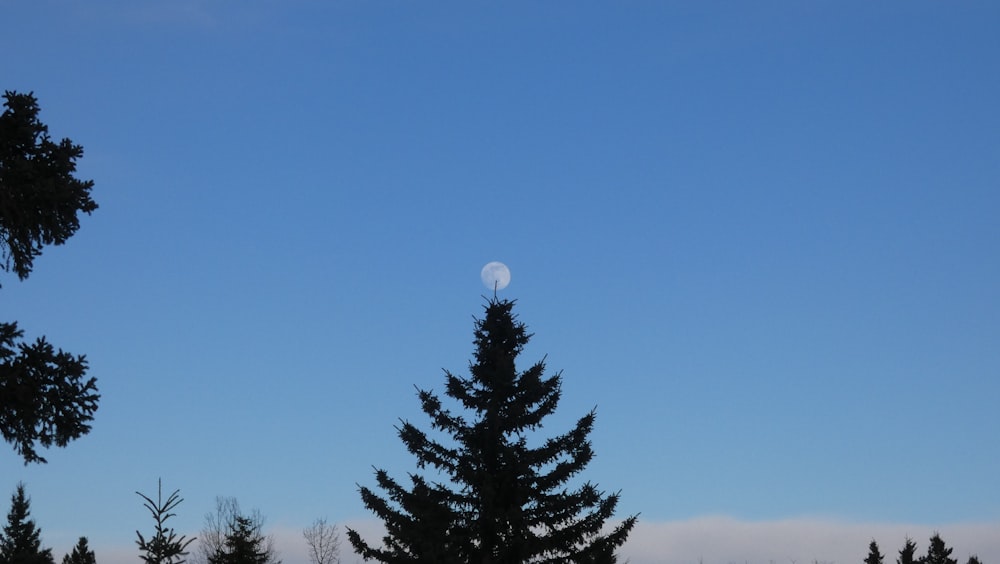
(702, 540)
(724, 540)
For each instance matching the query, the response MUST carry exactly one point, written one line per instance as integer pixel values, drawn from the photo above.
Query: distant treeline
(229, 536)
(937, 553)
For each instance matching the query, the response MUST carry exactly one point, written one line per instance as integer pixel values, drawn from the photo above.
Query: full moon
(495, 275)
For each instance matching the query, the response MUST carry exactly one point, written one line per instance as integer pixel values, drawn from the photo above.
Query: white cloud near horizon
(707, 540)
(724, 540)
(711, 540)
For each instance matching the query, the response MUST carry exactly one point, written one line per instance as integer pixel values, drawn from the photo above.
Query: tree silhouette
(938, 552)
(164, 547)
(21, 541)
(44, 398)
(907, 553)
(323, 542)
(505, 501)
(39, 196)
(244, 544)
(81, 554)
(230, 536)
(874, 556)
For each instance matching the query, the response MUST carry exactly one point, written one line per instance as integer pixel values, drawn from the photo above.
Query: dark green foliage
(874, 556)
(506, 502)
(228, 532)
(907, 553)
(44, 398)
(21, 542)
(938, 552)
(39, 196)
(244, 544)
(81, 554)
(164, 547)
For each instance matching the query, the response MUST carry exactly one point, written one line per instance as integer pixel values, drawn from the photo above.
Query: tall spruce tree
(505, 501)
(21, 541)
(81, 554)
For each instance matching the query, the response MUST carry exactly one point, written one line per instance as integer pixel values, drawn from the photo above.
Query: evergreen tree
(164, 547)
(231, 536)
(244, 544)
(45, 399)
(505, 502)
(81, 554)
(21, 542)
(938, 552)
(40, 199)
(874, 556)
(906, 554)
(974, 559)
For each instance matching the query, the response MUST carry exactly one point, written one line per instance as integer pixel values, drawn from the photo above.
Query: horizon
(701, 540)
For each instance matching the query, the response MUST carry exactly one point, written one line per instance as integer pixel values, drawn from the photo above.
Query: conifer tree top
(21, 541)
(510, 496)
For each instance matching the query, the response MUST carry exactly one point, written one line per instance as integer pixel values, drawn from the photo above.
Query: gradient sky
(761, 237)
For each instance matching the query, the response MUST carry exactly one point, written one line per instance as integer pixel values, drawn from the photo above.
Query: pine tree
(21, 542)
(505, 502)
(164, 547)
(244, 544)
(40, 198)
(938, 552)
(81, 554)
(906, 554)
(232, 536)
(874, 556)
(45, 398)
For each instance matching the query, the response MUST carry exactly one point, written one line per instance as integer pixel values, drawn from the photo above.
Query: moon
(495, 275)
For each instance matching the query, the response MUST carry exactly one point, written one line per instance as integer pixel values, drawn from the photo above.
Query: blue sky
(760, 237)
